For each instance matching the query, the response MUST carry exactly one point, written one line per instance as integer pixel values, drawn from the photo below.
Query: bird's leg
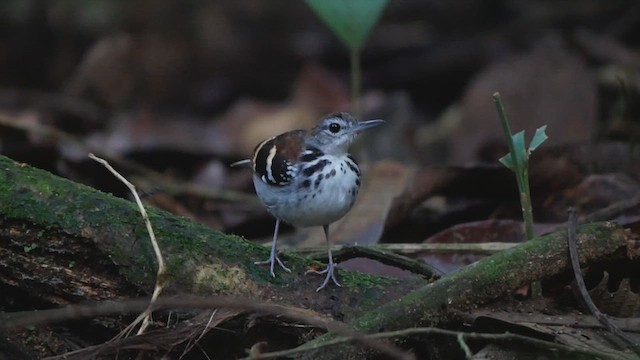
(330, 270)
(274, 253)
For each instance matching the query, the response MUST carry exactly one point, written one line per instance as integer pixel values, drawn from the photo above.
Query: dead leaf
(266, 125)
(548, 86)
(559, 328)
(622, 302)
(509, 231)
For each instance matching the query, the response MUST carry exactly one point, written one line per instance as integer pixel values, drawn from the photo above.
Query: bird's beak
(363, 125)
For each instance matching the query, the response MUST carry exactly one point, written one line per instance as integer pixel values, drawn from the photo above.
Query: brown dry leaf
(569, 329)
(606, 48)
(621, 303)
(588, 177)
(316, 92)
(238, 131)
(597, 191)
(230, 127)
(264, 126)
(548, 86)
(484, 181)
(146, 130)
(117, 68)
(510, 231)
(234, 134)
(552, 171)
(364, 224)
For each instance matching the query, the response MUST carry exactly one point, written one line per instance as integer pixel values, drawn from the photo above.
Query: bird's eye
(334, 127)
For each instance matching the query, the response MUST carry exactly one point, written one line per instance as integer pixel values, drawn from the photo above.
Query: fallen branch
(506, 338)
(11, 321)
(575, 265)
(346, 252)
(481, 282)
(63, 243)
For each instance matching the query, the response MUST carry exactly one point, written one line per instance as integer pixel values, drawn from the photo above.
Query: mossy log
(62, 242)
(481, 282)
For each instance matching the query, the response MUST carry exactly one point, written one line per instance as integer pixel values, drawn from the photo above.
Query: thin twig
(347, 252)
(607, 213)
(582, 321)
(194, 342)
(612, 211)
(497, 338)
(575, 264)
(160, 277)
(485, 248)
(463, 345)
(32, 318)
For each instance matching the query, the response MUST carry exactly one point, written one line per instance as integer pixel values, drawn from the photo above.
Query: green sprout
(517, 160)
(351, 21)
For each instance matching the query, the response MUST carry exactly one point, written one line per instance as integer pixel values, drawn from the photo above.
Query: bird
(308, 178)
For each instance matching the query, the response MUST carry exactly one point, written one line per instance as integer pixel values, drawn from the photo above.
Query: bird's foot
(330, 271)
(271, 261)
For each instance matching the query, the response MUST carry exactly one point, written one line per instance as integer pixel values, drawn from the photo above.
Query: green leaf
(350, 20)
(538, 138)
(506, 161)
(520, 149)
(520, 153)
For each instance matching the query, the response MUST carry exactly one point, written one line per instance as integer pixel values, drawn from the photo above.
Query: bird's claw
(271, 261)
(330, 271)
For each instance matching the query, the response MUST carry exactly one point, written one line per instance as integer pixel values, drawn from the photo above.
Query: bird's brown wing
(276, 160)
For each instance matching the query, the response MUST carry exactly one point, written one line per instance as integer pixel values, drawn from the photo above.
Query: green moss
(173, 266)
(218, 278)
(358, 280)
(115, 226)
